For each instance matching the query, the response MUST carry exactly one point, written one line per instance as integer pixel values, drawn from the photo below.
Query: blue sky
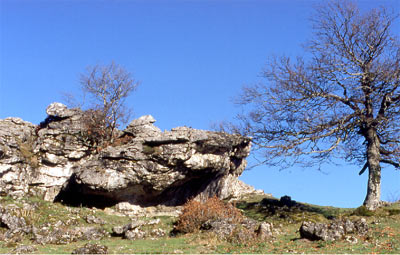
(191, 56)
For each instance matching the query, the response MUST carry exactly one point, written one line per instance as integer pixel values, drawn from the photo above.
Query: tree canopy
(341, 99)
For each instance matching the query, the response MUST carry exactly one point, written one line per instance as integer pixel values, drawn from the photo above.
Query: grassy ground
(383, 237)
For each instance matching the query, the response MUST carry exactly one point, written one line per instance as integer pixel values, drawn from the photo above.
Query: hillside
(53, 228)
(64, 189)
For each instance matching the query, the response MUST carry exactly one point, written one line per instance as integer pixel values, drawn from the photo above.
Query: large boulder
(144, 166)
(157, 167)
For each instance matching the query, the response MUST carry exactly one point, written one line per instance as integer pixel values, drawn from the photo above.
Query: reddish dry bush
(122, 140)
(96, 132)
(195, 214)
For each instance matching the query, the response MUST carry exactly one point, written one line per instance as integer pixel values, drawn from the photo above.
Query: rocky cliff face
(143, 166)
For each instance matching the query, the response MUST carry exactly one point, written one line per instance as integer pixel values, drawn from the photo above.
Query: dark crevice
(5, 172)
(72, 195)
(48, 163)
(167, 141)
(47, 121)
(76, 194)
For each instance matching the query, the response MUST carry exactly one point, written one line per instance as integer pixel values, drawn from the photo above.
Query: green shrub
(362, 211)
(394, 212)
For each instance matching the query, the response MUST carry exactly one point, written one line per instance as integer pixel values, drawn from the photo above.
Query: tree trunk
(373, 198)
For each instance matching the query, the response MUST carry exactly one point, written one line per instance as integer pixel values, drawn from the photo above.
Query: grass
(383, 237)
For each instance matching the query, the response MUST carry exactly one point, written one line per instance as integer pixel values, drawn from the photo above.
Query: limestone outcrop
(336, 230)
(143, 166)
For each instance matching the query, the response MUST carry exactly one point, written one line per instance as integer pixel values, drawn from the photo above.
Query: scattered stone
(153, 222)
(336, 230)
(245, 230)
(264, 231)
(111, 211)
(130, 209)
(91, 249)
(134, 234)
(134, 225)
(91, 219)
(351, 239)
(16, 226)
(12, 222)
(221, 227)
(158, 232)
(133, 230)
(91, 233)
(24, 249)
(68, 235)
(57, 236)
(118, 230)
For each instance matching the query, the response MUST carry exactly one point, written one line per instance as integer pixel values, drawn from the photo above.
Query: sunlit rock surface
(144, 166)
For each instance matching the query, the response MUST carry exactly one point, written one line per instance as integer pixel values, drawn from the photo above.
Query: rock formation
(336, 230)
(144, 166)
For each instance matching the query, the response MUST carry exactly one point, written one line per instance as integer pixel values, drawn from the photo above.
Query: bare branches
(391, 162)
(108, 86)
(315, 108)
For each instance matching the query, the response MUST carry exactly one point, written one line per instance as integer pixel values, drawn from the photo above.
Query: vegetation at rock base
(383, 235)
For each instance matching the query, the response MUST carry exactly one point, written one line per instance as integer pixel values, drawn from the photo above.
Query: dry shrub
(242, 236)
(27, 152)
(195, 214)
(96, 132)
(122, 140)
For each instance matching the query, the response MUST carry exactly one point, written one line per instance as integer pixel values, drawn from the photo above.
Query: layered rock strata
(143, 166)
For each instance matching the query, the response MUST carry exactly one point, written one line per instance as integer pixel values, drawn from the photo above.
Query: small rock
(23, 249)
(264, 230)
(91, 233)
(10, 221)
(59, 224)
(128, 207)
(361, 226)
(91, 249)
(134, 234)
(153, 222)
(222, 228)
(351, 239)
(118, 230)
(134, 225)
(158, 232)
(91, 219)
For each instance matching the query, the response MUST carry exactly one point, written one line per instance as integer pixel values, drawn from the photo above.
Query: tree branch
(391, 162)
(363, 169)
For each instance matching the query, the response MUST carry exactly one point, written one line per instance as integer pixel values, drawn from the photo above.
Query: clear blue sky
(191, 56)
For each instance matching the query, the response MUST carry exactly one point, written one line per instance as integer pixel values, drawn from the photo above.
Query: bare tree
(108, 87)
(340, 100)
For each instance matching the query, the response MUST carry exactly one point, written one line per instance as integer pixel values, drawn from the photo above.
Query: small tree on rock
(108, 86)
(340, 101)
